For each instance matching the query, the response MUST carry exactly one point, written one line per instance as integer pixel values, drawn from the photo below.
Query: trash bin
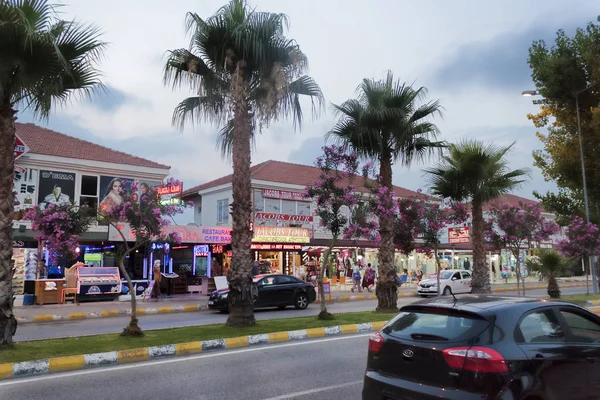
(28, 299)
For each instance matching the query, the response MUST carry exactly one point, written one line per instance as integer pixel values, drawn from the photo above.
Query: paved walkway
(196, 302)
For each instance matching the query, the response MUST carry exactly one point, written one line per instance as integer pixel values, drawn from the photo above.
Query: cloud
(111, 99)
(499, 63)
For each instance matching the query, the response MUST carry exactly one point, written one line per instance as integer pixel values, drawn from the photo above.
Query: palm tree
(43, 60)
(472, 170)
(245, 74)
(549, 263)
(387, 123)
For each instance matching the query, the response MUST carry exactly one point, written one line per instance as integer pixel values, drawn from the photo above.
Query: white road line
(313, 391)
(222, 353)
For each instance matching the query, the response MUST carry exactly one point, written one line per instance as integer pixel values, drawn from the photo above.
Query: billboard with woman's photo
(112, 190)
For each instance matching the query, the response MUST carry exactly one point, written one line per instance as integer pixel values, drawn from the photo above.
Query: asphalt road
(61, 329)
(330, 368)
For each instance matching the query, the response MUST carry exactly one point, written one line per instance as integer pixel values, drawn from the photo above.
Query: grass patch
(580, 298)
(40, 349)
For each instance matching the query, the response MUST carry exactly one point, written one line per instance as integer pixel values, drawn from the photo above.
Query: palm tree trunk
(324, 314)
(515, 254)
(386, 290)
(242, 290)
(438, 270)
(133, 329)
(481, 274)
(8, 322)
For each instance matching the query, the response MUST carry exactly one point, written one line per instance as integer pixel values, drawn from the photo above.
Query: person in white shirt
(356, 278)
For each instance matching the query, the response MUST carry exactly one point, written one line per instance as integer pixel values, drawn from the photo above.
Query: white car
(459, 281)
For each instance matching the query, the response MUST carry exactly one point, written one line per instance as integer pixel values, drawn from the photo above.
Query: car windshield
(446, 274)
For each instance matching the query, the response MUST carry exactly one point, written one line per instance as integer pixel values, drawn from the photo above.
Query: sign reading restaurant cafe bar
(187, 233)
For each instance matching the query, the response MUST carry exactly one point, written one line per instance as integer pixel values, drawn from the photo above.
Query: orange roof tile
(51, 143)
(288, 173)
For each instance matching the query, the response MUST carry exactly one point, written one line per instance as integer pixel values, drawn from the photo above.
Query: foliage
(273, 65)
(550, 263)
(386, 120)
(563, 204)
(582, 238)
(334, 196)
(560, 73)
(44, 59)
(479, 172)
(513, 226)
(60, 226)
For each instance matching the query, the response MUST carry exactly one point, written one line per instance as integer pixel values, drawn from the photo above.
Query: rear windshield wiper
(427, 336)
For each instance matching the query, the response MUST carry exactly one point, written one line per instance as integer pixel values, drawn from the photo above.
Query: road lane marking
(313, 391)
(174, 360)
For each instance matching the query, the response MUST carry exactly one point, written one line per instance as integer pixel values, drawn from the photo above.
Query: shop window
(223, 211)
(273, 206)
(303, 208)
(89, 191)
(288, 207)
(259, 201)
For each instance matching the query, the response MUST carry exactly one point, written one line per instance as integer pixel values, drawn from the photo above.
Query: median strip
(203, 307)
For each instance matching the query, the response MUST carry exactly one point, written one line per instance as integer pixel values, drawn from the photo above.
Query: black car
(273, 291)
(486, 347)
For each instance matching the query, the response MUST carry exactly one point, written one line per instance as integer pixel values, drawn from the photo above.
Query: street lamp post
(576, 94)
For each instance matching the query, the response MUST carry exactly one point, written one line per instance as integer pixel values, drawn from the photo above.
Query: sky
(471, 56)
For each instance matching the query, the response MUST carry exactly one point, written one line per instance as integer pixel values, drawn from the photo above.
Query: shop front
(279, 249)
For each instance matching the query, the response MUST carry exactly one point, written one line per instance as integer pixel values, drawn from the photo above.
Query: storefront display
(93, 281)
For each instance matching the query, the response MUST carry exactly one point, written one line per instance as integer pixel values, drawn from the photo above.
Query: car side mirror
(454, 278)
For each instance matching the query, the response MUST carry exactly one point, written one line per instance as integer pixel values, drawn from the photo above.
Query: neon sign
(217, 249)
(201, 250)
(164, 190)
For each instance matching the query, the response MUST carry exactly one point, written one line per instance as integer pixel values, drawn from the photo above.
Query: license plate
(210, 302)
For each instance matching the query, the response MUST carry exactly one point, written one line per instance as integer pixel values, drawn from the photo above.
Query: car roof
(483, 304)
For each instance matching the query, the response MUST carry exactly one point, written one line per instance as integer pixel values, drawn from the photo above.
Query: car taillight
(475, 359)
(375, 343)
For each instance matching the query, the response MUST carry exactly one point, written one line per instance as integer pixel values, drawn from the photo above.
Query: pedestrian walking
(254, 270)
(356, 278)
(370, 277)
(157, 277)
(494, 271)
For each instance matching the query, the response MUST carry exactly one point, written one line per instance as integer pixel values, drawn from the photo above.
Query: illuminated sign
(216, 249)
(284, 195)
(273, 246)
(283, 217)
(275, 234)
(165, 190)
(459, 235)
(201, 250)
(187, 233)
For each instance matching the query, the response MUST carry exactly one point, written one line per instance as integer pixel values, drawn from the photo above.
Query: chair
(69, 291)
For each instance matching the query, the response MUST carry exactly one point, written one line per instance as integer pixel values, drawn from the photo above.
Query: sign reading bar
(273, 246)
(20, 147)
(459, 235)
(283, 217)
(275, 234)
(284, 195)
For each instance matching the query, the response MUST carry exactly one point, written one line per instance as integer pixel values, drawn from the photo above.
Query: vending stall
(98, 283)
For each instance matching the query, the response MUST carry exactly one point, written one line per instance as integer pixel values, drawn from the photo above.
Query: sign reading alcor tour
(187, 233)
(276, 234)
(459, 235)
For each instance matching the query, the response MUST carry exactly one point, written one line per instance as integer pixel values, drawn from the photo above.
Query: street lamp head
(529, 93)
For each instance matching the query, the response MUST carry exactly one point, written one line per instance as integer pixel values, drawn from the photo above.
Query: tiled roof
(511, 200)
(288, 173)
(51, 143)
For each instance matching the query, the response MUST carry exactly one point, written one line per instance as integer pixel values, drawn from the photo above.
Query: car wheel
(446, 291)
(301, 301)
(281, 307)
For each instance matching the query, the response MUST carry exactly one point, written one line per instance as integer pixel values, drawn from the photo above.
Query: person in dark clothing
(255, 271)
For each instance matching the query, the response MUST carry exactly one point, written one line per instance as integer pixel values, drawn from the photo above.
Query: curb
(86, 361)
(593, 303)
(204, 307)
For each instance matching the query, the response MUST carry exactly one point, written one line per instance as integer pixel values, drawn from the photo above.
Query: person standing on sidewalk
(356, 278)
(157, 277)
(370, 277)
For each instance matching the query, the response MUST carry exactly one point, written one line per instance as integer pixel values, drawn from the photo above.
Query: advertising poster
(143, 187)
(56, 188)
(112, 190)
(25, 189)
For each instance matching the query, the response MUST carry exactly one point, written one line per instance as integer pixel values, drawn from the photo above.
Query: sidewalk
(196, 302)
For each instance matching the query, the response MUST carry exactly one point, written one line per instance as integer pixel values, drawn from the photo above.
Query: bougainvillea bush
(60, 226)
(515, 227)
(334, 196)
(146, 217)
(582, 240)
